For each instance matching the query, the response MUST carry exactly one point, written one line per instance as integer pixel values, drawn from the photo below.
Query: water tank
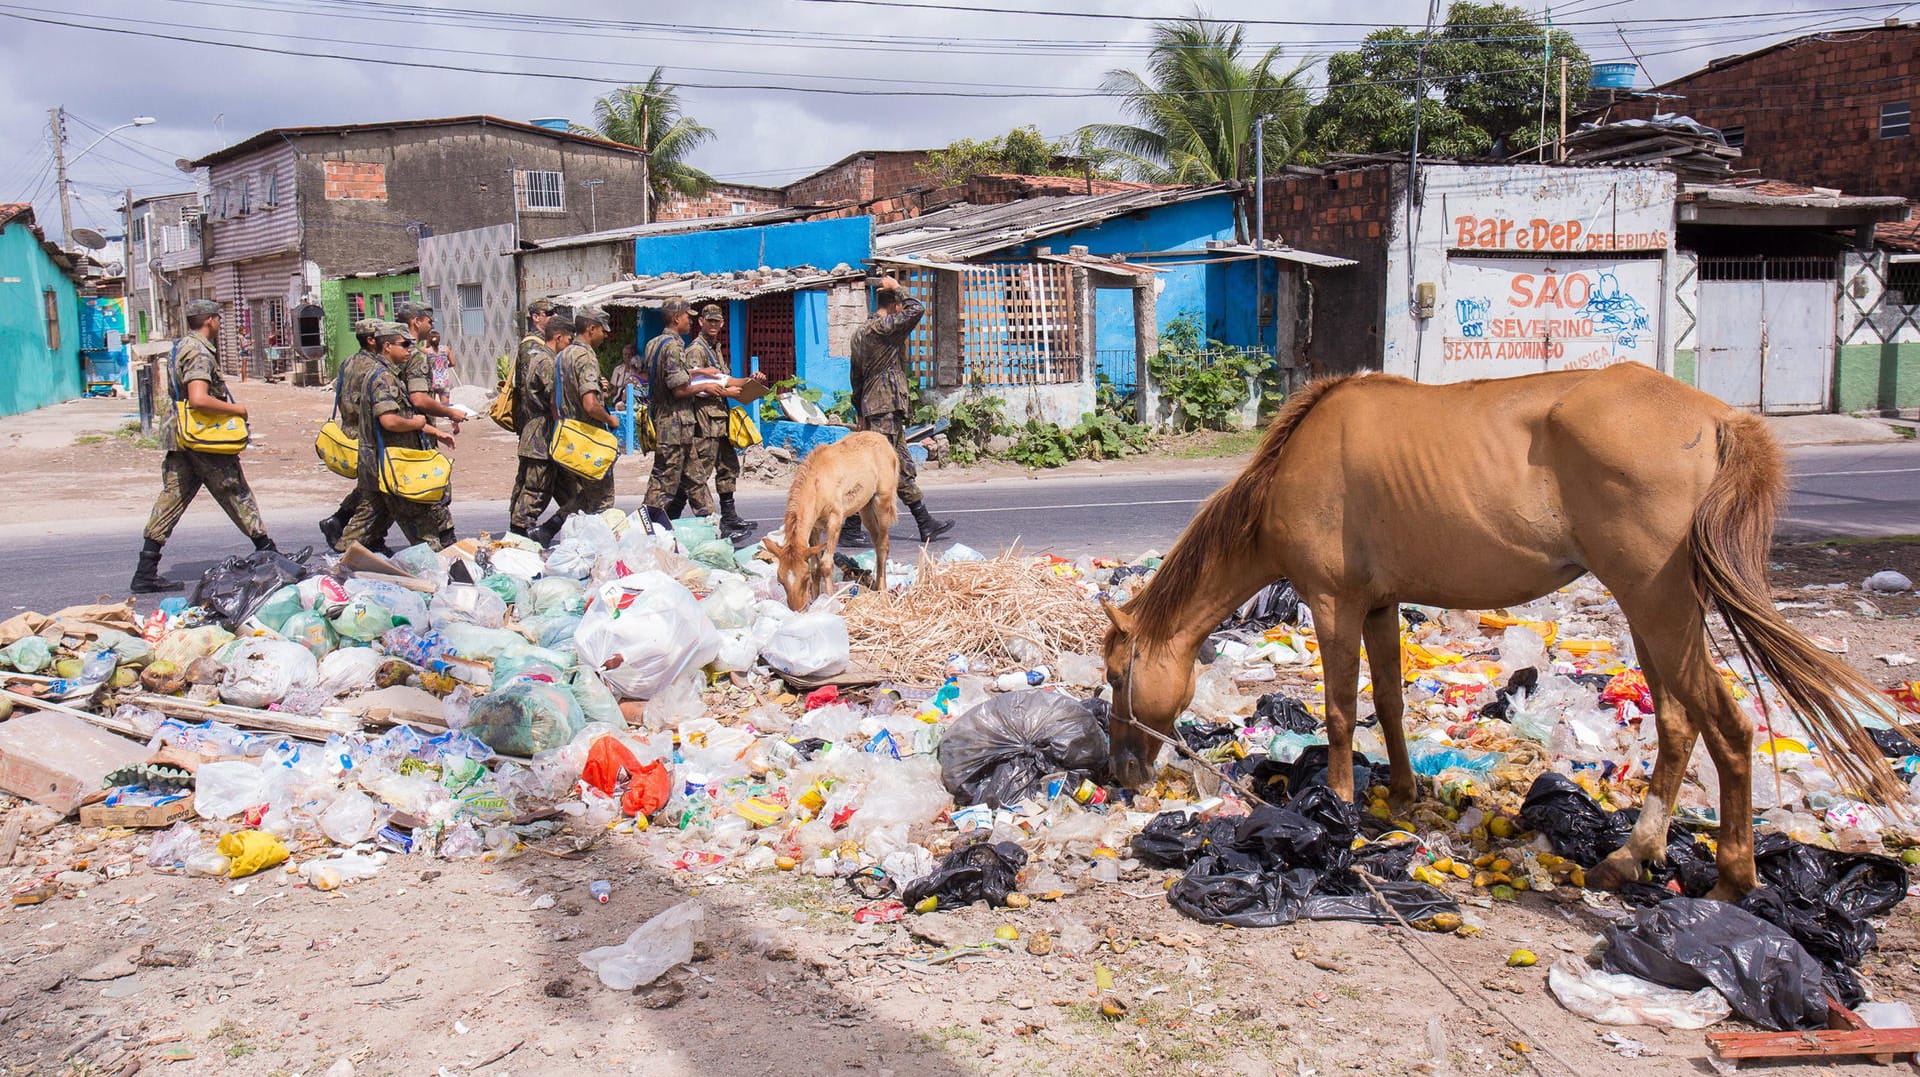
(1605, 77)
(559, 123)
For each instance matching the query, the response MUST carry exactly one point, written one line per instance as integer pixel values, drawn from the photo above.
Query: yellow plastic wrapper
(1548, 630)
(760, 811)
(251, 851)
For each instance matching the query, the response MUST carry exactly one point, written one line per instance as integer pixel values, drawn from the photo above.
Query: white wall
(1527, 273)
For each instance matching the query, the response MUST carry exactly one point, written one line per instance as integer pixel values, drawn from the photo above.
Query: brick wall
(862, 178)
(1348, 213)
(353, 181)
(1811, 109)
(720, 201)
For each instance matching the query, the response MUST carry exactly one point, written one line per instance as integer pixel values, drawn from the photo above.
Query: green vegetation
(1205, 380)
(647, 115)
(1023, 151)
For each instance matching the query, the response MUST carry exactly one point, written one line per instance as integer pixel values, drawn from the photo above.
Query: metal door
(1767, 332)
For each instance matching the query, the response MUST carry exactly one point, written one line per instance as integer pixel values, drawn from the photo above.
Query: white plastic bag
(513, 561)
(730, 605)
(339, 871)
(737, 651)
(579, 543)
(809, 644)
(1614, 999)
(226, 788)
(641, 632)
(351, 818)
(653, 948)
(262, 671)
(349, 670)
(464, 603)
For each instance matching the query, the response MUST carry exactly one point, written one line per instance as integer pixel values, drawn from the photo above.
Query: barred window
(1895, 119)
(542, 190)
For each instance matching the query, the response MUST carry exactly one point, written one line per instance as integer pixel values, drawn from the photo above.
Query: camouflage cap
(396, 329)
(712, 313)
(199, 308)
(367, 327)
(540, 306)
(408, 311)
(586, 316)
(673, 308)
(560, 323)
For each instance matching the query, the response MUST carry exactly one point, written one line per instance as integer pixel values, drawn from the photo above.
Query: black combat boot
(930, 528)
(331, 529)
(264, 543)
(852, 535)
(146, 576)
(730, 522)
(676, 505)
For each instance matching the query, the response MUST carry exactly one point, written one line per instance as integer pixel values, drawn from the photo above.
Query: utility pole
(1560, 140)
(1546, 65)
(57, 120)
(646, 168)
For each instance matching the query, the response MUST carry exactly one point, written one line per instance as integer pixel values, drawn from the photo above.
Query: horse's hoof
(1728, 892)
(1401, 800)
(1613, 873)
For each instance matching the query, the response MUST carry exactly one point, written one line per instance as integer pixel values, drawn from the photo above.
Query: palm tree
(1196, 106)
(648, 116)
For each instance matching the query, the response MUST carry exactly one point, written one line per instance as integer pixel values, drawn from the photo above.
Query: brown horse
(857, 474)
(1371, 491)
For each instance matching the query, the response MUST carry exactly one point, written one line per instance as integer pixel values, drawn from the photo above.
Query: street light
(137, 121)
(61, 161)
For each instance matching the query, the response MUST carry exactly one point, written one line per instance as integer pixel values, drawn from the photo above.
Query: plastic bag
(1285, 712)
(364, 619)
(649, 785)
(182, 646)
(339, 871)
(597, 702)
(279, 606)
(236, 587)
(251, 851)
(999, 752)
(1577, 826)
(261, 671)
(28, 654)
(643, 632)
(1613, 999)
(555, 595)
(423, 562)
(407, 606)
(1175, 839)
(511, 589)
(351, 818)
(310, 630)
(464, 603)
(654, 947)
(349, 670)
(580, 541)
(730, 605)
(988, 872)
(1690, 943)
(808, 645)
(525, 717)
(174, 848)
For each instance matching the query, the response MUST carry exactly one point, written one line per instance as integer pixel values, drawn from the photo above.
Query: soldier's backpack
(508, 369)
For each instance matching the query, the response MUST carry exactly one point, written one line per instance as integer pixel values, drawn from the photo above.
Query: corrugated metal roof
(675, 227)
(273, 134)
(1287, 254)
(655, 290)
(969, 231)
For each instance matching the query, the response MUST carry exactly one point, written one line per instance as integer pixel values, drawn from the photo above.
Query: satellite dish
(116, 269)
(184, 164)
(88, 238)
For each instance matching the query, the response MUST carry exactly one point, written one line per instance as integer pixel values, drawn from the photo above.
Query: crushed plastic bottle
(601, 889)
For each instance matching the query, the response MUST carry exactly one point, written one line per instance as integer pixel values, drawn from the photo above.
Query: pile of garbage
(650, 683)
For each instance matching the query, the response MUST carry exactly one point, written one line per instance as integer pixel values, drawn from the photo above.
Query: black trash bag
(1523, 680)
(1412, 900)
(236, 587)
(1001, 751)
(1836, 941)
(1175, 839)
(1689, 863)
(1891, 743)
(1414, 618)
(1206, 735)
(1857, 885)
(1275, 604)
(1596, 681)
(986, 871)
(1285, 712)
(1310, 770)
(1690, 943)
(1576, 825)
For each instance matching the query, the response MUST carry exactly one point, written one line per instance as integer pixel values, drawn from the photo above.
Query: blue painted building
(39, 317)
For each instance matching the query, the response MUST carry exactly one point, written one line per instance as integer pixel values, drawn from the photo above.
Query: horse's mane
(1229, 523)
(804, 492)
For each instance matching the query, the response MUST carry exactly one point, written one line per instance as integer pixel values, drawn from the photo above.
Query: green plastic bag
(555, 594)
(596, 699)
(511, 589)
(717, 553)
(312, 631)
(30, 654)
(364, 619)
(279, 606)
(525, 717)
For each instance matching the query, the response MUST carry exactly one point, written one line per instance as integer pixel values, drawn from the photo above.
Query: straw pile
(1003, 614)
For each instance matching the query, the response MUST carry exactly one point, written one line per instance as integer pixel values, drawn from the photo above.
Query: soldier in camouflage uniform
(879, 375)
(582, 396)
(194, 376)
(707, 354)
(356, 370)
(686, 419)
(417, 373)
(388, 420)
(535, 483)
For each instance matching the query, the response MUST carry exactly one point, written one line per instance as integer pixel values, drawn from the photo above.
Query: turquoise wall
(726, 250)
(32, 375)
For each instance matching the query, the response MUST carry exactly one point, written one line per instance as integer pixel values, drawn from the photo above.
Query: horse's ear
(1121, 619)
(815, 551)
(772, 545)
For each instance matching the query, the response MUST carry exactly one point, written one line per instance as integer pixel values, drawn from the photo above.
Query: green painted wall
(1683, 365)
(378, 293)
(32, 375)
(1876, 376)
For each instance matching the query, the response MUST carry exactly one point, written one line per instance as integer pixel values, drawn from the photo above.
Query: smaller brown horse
(1371, 491)
(857, 474)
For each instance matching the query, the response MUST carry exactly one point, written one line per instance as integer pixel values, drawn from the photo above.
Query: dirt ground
(466, 967)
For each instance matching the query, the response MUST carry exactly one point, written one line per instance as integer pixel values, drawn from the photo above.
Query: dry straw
(1003, 614)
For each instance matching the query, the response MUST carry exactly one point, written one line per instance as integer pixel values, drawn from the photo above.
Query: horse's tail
(1732, 533)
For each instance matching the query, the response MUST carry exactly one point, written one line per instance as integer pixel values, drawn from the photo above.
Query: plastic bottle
(417, 648)
(601, 889)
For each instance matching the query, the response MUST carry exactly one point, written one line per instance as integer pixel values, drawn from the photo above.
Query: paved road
(1839, 490)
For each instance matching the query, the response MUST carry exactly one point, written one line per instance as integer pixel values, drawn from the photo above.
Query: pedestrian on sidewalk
(442, 361)
(880, 398)
(193, 373)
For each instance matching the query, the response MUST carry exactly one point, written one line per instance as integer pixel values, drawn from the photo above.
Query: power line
(974, 9)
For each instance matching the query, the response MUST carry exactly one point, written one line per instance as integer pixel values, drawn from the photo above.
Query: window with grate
(473, 319)
(277, 318)
(51, 302)
(542, 190)
(1903, 280)
(138, 233)
(770, 334)
(1736, 136)
(1896, 119)
(356, 306)
(246, 196)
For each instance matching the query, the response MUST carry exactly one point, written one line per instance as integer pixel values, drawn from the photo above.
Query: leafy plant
(1206, 380)
(975, 421)
(1023, 151)
(647, 115)
(1109, 400)
(1105, 436)
(770, 404)
(1042, 445)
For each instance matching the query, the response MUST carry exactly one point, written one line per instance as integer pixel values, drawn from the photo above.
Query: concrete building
(39, 316)
(163, 262)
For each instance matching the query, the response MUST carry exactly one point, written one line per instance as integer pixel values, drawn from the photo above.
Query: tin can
(1090, 794)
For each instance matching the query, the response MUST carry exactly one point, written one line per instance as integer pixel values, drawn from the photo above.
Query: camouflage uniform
(385, 394)
(184, 472)
(355, 371)
(684, 430)
(726, 468)
(578, 371)
(879, 375)
(533, 484)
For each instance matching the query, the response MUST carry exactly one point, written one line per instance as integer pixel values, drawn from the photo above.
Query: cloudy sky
(757, 71)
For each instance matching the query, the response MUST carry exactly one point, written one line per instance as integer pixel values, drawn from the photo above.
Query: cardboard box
(60, 761)
(137, 815)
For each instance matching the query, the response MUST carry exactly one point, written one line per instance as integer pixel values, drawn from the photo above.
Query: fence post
(1146, 342)
(627, 424)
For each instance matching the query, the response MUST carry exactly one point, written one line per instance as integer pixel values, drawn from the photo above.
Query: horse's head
(796, 568)
(1150, 688)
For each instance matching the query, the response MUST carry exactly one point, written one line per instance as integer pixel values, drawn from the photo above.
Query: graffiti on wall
(1580, 316)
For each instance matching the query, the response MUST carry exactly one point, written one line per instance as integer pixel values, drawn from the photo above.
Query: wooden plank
(313, 727)
(1870, 1041)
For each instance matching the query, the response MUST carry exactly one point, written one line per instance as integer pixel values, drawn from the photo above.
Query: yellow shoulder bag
(336, 448)
(421, 475)
(200, 430)
(504, 394)
(740, 429)
(584, 448)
